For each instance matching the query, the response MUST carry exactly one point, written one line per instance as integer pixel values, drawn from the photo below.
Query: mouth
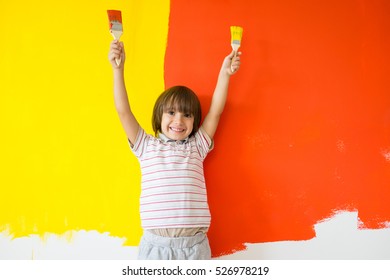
(176, 129)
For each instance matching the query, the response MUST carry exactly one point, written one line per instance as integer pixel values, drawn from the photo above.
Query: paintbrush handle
(231, 63)
(117, 36)
(235, 49)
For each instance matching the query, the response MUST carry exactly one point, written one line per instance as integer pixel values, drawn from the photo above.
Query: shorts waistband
(173, 242)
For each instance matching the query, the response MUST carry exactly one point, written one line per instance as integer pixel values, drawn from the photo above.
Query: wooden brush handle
(231, 63)
(117, 36)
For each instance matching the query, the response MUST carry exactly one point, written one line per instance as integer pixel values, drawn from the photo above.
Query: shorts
(155, 247)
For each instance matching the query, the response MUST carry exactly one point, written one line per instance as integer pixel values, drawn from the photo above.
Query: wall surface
(306, 131)
(303, 142)
(65, 161)
(337, 238)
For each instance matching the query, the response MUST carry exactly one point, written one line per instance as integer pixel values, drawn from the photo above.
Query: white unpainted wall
(336, 238)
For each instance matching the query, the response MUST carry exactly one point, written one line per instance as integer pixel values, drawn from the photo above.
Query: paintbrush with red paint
(116, 28)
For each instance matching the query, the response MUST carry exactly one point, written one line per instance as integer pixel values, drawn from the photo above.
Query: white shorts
(155, 247)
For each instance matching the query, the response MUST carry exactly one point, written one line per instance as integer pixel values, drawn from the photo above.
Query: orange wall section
(306, 128)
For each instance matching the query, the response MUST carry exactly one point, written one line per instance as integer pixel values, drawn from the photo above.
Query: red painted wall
(306, 130)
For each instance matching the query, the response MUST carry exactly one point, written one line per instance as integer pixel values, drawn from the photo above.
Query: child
(173, 205)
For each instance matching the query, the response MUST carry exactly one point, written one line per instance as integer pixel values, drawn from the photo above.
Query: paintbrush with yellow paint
(236, 33)
(116, 28)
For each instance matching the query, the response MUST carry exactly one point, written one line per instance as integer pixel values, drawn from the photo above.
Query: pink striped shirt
(173, 188)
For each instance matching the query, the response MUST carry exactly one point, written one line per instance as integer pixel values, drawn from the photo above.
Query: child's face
(177, 125)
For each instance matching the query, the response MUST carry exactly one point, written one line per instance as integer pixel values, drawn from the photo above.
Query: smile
(174, 129)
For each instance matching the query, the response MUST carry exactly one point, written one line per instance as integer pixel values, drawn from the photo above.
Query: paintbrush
(236, 33)
(116, 28)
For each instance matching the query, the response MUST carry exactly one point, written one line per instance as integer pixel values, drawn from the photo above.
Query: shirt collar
(168, 140)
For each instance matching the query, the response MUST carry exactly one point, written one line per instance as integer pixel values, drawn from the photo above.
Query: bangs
(184, 103)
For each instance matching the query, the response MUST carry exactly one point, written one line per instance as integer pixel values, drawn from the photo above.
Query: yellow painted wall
(65, 163)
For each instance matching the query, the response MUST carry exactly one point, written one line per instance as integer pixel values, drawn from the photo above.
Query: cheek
(164, 120)
(190, 124)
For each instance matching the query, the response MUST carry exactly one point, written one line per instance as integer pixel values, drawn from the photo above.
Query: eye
(188, 115)
(171, 113)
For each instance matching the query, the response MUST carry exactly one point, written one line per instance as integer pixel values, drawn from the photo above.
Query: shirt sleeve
(203, 142)
(140, 143)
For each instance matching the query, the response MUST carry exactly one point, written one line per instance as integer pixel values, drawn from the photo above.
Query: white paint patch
(340, 146)
(386, 224)
(73, 245)
(386, 153)
(337, 238)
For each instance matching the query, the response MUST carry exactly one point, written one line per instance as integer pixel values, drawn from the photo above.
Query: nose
(178, 117)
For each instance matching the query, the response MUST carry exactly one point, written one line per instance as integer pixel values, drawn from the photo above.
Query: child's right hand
(117, 51)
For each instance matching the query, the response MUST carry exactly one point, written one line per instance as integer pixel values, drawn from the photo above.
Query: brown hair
(179, 98)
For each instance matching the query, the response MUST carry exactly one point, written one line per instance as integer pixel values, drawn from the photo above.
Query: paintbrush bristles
(236, 32)
(115, 20)
(116, 28)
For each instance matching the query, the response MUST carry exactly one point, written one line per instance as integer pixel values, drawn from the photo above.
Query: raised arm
(129, 122)
(218, 101)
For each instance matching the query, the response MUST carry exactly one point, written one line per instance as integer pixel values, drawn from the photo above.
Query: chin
(176, 137)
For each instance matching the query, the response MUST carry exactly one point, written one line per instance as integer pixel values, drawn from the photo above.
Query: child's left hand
(231, 63)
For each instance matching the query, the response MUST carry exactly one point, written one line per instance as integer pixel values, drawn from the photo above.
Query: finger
(115, 53)
(114, 43)
(122, 48)
(232, 54)
(236, 60)
(118, 50)
(236, 65)
(116, 46)
(112, 56)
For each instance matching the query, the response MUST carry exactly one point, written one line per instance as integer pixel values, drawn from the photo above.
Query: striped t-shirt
(173, 188)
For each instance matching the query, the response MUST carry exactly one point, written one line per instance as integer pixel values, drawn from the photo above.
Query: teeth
(177, 129)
